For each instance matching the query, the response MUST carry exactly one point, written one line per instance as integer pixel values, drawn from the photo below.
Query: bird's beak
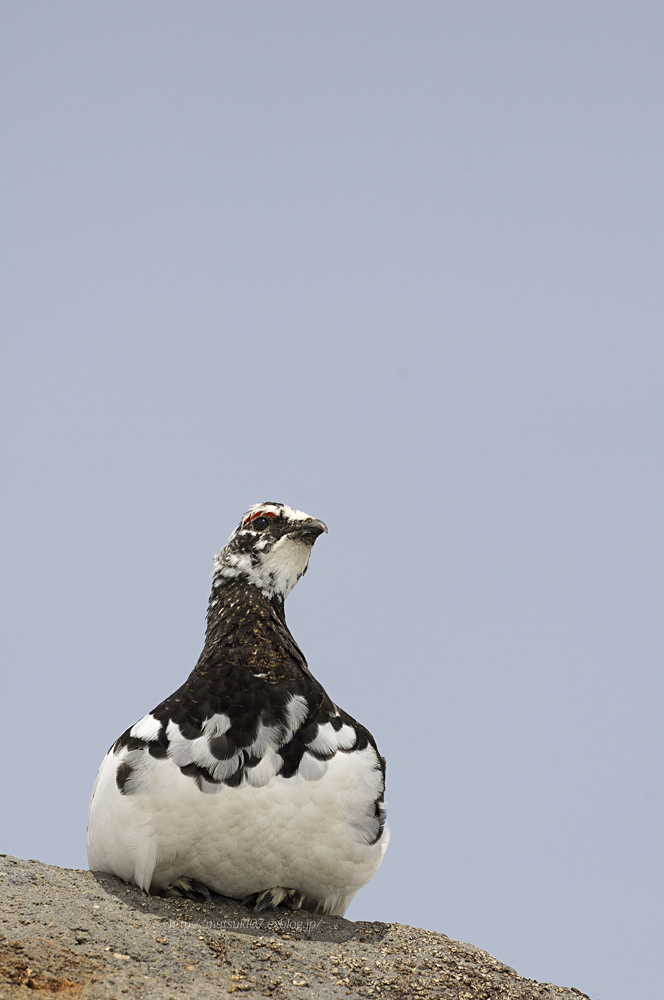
(311, 529)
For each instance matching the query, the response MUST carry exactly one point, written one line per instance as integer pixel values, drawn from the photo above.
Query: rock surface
(84, 935)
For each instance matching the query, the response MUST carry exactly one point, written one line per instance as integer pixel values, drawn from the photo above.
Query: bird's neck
(239, 607)
(243, 625)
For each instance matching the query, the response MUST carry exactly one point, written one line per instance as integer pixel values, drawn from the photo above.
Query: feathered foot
(270, 899)
(187, 888)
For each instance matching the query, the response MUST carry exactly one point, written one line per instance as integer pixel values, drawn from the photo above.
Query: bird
(248, 781)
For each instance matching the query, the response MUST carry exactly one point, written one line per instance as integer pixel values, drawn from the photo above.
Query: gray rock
(86, 935)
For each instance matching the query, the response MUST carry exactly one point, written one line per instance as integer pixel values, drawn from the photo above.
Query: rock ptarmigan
(248, 780)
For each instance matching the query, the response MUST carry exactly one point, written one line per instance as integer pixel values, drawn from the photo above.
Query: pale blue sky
(398, 265)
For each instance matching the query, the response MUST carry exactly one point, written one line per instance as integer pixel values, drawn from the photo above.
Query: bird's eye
(259, 523)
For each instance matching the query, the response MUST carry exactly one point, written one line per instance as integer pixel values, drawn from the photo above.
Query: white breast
(310, 832)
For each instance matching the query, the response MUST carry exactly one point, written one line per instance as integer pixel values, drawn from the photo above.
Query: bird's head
(269, 549)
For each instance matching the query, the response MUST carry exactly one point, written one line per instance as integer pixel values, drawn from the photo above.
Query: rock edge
(81, 934)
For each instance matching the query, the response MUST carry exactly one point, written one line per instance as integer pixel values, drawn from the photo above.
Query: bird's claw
(270, 899)
(188, 888)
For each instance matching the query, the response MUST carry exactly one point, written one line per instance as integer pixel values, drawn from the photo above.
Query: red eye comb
(258, 513)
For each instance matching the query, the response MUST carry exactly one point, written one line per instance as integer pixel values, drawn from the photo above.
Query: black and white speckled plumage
(250, 731)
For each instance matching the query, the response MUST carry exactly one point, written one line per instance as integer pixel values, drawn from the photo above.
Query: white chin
(283, 566)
